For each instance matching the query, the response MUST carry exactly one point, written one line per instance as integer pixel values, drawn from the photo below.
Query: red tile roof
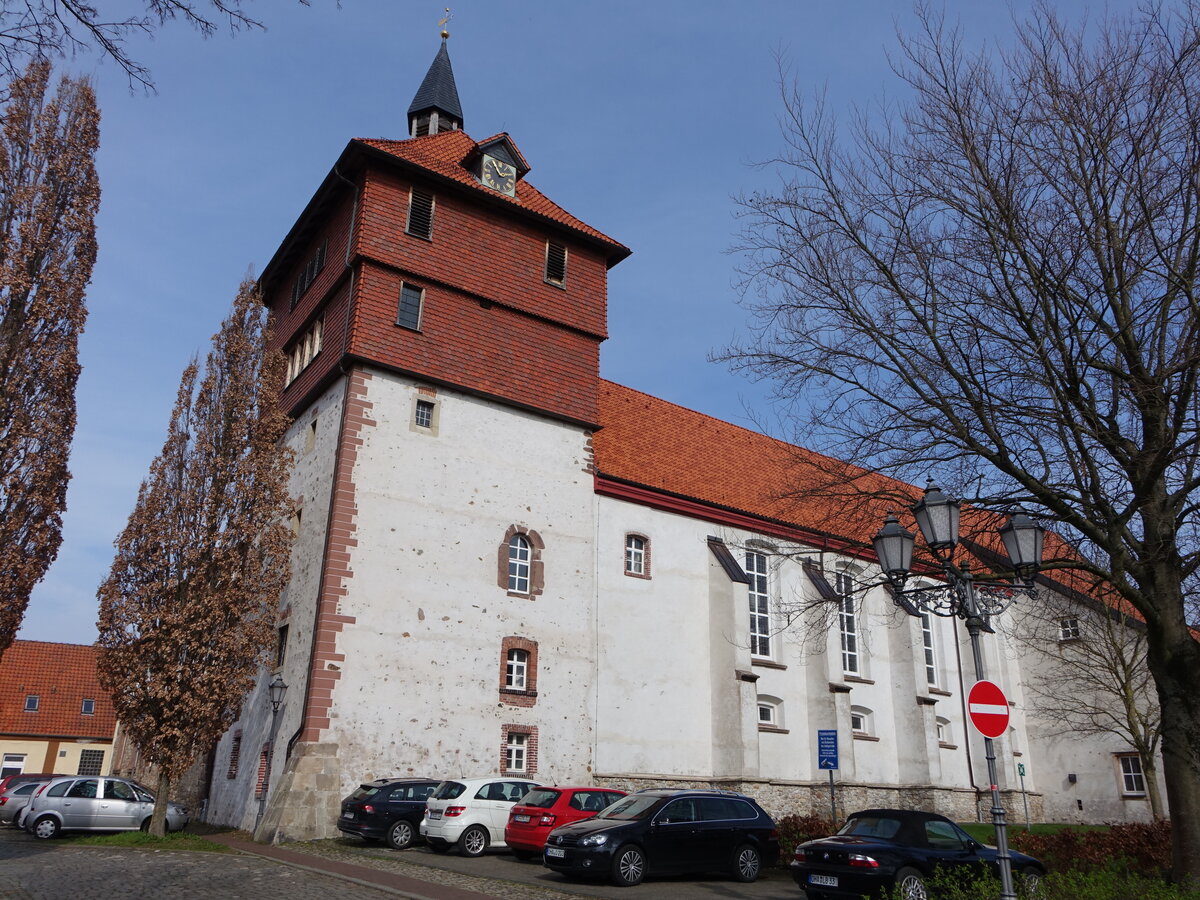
(445, 153)
(62, 676)
(649, 442)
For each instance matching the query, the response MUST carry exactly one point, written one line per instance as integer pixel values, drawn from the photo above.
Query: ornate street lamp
(276, 691)
(962, 597)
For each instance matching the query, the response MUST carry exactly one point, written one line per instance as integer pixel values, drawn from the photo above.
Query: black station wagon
(389, 809)
(662, 832)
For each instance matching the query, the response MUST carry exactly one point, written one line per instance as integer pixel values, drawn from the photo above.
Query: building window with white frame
(518, 564)
(423, 417)
(1068, 628)
(1133, 781)
(32, 701)
(944, 734)
(770, 713)
(930, 653)
(760, 604)
(12, 764)
(847, 623)
(516, 669)
(860, 720)
(637, 556)
(515, 758)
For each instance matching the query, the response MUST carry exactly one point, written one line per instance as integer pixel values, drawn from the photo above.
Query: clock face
(499, 175)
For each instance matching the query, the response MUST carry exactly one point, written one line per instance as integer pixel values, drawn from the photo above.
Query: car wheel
(400, 835)
(910, 885)
(628, 866)
(1031, 882)
(145, 826)
(746, 864)
(473, 841)
(46, 827)
(437, 846)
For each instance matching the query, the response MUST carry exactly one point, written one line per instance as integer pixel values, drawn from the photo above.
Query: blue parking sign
(827, 748)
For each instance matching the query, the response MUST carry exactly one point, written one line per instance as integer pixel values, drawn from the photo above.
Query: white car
(471, 812)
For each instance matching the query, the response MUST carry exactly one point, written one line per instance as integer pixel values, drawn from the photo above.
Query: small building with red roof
(54, 715)
(505, 564)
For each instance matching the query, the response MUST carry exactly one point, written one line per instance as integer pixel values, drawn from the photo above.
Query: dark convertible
(881, 849)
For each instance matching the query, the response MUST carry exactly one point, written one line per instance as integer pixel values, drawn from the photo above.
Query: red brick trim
(260, 785)
(340, 541)
(531, 749)
(235, 751)
(515, 696)
(537, 571)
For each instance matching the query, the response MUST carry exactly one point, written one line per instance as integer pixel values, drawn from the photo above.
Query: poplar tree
(187, 613)
(49, 195)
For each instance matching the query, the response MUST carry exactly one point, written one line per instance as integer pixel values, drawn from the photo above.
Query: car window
(872, 826)
(118, 790)
(515, 791)
(85, 789)
(59, 789)
(364, 791)
(630, 809)
(27, 788)
(683, 810)
(942, 835)
(593, 801)
(543, 798)
(448, 790)
(716, 808)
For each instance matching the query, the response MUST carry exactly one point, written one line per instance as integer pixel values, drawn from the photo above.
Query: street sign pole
(827, 758)
(1024, 795)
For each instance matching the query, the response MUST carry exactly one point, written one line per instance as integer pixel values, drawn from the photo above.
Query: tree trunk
(1150, 772)
(158, 822)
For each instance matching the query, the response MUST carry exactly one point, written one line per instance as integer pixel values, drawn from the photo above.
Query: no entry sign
(988, 708)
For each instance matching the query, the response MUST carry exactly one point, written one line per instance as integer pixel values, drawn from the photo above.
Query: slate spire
(435, 108)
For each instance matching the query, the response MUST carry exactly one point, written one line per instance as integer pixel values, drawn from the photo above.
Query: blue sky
(644, 119)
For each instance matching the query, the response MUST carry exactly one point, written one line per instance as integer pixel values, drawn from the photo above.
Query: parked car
(881, 850)
(389, 809)
(546, 808)
(471, 813)
(9, 780)
(77, 803)
(659, 832)
(14, 798)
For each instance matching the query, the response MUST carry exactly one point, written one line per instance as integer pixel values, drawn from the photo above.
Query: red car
(546, 808)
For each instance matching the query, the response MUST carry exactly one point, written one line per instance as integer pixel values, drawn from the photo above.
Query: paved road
(53, 870)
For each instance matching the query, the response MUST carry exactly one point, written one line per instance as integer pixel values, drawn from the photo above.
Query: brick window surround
(537, 574)
(235, 751)
(637, 551)
(260, 784)
(512, 696)
(531, 749)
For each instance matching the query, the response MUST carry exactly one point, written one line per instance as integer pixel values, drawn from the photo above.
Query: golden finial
(444, 21)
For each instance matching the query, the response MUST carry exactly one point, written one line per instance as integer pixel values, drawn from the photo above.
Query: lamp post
(277, 689)
(962, 597)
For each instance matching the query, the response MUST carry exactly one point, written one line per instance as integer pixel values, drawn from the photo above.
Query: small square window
(1068, 629)
(88, 708)
(31, 703)
(90, 762)
(423, 417)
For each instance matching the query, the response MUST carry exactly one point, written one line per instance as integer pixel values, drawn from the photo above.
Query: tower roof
(438, 91)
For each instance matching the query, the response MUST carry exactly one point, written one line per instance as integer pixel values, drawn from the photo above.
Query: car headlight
(593, 840)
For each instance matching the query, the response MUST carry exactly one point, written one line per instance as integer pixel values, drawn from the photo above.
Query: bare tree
(49, 195)
(187, 613)
(997, 282)
(40, 29)
(1088, 674)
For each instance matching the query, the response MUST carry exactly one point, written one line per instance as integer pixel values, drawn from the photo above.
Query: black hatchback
(389, 809)
(665, 832)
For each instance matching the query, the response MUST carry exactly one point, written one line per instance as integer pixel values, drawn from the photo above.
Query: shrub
(1140, 847)
(795, 830)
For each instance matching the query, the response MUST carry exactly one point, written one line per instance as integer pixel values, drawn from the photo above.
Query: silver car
(14, 798)
(81, 803)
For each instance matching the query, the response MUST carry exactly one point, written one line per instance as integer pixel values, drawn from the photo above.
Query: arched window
(637, 555)
(944, 734)
(860, 720)
(519, 560)
(518, 564)
(516, 669)
(770, 713)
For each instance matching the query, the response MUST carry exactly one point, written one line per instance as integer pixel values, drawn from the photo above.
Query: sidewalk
(370, 876)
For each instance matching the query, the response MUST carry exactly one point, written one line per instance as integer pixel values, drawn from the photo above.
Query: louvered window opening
(311, 270)
(420, 215)
(235, 751)
(409, 314)
(556, 264)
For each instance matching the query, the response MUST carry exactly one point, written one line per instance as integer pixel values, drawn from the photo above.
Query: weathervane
(444, 21)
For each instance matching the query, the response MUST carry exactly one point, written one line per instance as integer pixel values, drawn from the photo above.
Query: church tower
(442, 320)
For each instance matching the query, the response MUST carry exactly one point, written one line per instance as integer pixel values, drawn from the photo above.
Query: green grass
(138, 840)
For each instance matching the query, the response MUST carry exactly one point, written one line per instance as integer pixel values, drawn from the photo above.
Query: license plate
(823, 880)
(435, 814)
(555, 852)
(520, 818)
(347, 815)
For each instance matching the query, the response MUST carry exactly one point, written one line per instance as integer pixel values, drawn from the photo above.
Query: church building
(506, 564)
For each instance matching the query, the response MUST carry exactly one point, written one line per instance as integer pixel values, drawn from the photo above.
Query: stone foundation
(795, 798)
(306, 801)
